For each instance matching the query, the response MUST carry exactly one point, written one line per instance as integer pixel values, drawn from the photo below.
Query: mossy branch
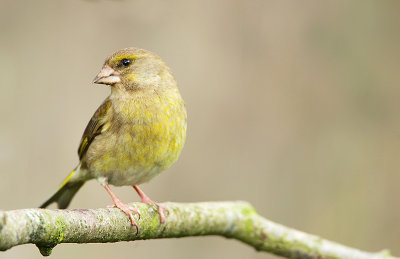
(238, 220)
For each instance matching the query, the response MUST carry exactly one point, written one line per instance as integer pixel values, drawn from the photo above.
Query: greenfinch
(135, 134)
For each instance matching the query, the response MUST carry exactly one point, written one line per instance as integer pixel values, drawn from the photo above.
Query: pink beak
(107, 76)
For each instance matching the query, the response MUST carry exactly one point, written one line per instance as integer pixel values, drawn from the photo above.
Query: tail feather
(65, 193)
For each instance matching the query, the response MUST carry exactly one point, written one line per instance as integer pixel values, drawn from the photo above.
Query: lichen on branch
(47, 228)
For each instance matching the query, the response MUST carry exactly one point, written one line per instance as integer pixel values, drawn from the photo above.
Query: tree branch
(238, 220)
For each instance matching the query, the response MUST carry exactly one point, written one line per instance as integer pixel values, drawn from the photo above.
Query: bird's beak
(107, 76)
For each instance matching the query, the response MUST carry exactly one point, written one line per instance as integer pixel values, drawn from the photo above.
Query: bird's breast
(144, 138)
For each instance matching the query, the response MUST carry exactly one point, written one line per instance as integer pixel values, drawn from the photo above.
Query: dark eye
(126, 62)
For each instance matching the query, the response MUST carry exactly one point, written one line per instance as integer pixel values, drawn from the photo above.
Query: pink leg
(122, 206)
(146, 199)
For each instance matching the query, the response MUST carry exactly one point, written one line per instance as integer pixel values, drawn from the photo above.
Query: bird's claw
(146, 199)
(128, 211)
(129, 207)
(161, 210)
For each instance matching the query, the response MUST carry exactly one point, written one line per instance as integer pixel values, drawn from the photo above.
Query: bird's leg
(146, 199)
(122, 206)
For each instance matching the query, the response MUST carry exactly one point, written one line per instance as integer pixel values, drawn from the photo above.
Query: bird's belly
(131, 176)
(133, 154)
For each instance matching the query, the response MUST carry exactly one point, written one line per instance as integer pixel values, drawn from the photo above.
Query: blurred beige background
(293, 106)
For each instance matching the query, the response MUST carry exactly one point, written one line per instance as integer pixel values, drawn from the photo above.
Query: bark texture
(47, 228)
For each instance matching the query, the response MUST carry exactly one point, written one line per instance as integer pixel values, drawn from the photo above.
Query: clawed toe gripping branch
(237, 220)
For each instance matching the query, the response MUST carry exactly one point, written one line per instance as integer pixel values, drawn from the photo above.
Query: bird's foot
(161, 209)
(123, 207)
(146, 199)
(128, 211)
(130, 208)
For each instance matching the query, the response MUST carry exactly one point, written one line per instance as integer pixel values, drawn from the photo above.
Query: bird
(136, 133)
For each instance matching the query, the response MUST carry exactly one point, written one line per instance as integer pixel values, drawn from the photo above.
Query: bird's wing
(97, 124)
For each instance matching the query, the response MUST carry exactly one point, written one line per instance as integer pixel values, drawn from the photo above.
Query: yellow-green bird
(138, 131)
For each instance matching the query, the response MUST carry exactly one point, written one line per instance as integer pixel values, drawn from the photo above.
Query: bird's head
(134, 69)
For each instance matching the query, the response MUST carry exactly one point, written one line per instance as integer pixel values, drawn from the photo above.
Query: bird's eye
(126, 62)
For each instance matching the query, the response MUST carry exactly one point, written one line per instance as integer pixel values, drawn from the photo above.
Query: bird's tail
(65, 193)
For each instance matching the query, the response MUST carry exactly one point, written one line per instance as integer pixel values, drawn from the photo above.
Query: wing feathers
(97, 125)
